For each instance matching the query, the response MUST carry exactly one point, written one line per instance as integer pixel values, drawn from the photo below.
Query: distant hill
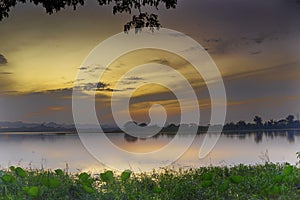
(20, 126)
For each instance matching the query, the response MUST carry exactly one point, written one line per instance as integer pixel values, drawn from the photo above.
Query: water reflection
(44, 150)
(241, 135)
(130, 138)
(56, 150)
(260, 135)
(291, 136)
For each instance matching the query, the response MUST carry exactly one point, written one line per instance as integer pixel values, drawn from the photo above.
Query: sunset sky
(254, 43)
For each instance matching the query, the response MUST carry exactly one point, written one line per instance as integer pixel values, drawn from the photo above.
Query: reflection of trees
(258, 121)
(242, 136)
(291, 136)
(140, 20)
(156, 135)
(280, 133)
(258, 137)
(269, 134)
(130, 138)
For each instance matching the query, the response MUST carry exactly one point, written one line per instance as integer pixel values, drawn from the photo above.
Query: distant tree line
(288, 123)
(258, 124)
(286, 127)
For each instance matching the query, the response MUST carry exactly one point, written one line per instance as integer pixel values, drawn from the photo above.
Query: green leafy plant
(267, 181)
(107, 176)
(125, 175)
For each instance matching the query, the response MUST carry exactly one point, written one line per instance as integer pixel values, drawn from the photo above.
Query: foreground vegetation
(268, 181)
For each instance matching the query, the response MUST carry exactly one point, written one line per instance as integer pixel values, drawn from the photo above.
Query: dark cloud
(265, 72)
(53, 92)
(3, 60)
(5, 73)
(9, 92)
(130, 88)
(60, 90)
(261, 37)
(103, 86)
(86, 86)
(255, 52)
(226, 44)
(89, 86)
(129, 82)
(99, 68)
(160, 61)
(83, 68)
(134, 78)
(92, 69)
(99, 86)
(195, 48)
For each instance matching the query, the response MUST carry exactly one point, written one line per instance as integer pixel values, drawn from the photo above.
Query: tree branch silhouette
(141, 20)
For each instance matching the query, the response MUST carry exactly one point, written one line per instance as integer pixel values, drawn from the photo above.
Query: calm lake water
(38, 150)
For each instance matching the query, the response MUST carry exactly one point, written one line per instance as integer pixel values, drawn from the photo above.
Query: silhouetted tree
(241, 124)
(258, 137)
(258, 120)
(291, 136)
(143, 124)
(290, 119)
(142, 19)
(270, 123)
(282, 123)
